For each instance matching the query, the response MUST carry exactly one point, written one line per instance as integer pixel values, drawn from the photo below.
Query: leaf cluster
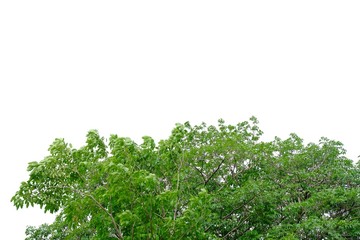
(202, 182)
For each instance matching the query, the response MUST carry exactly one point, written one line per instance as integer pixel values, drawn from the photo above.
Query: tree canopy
(202, 182)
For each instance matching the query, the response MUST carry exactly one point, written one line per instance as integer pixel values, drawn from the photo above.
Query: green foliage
(203, 182)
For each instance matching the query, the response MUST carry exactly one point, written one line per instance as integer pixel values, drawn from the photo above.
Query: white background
(136, 68)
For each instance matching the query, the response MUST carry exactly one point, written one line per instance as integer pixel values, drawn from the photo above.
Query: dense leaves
(203, 182)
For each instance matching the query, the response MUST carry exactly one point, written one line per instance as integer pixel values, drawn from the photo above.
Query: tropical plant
(203, 182)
